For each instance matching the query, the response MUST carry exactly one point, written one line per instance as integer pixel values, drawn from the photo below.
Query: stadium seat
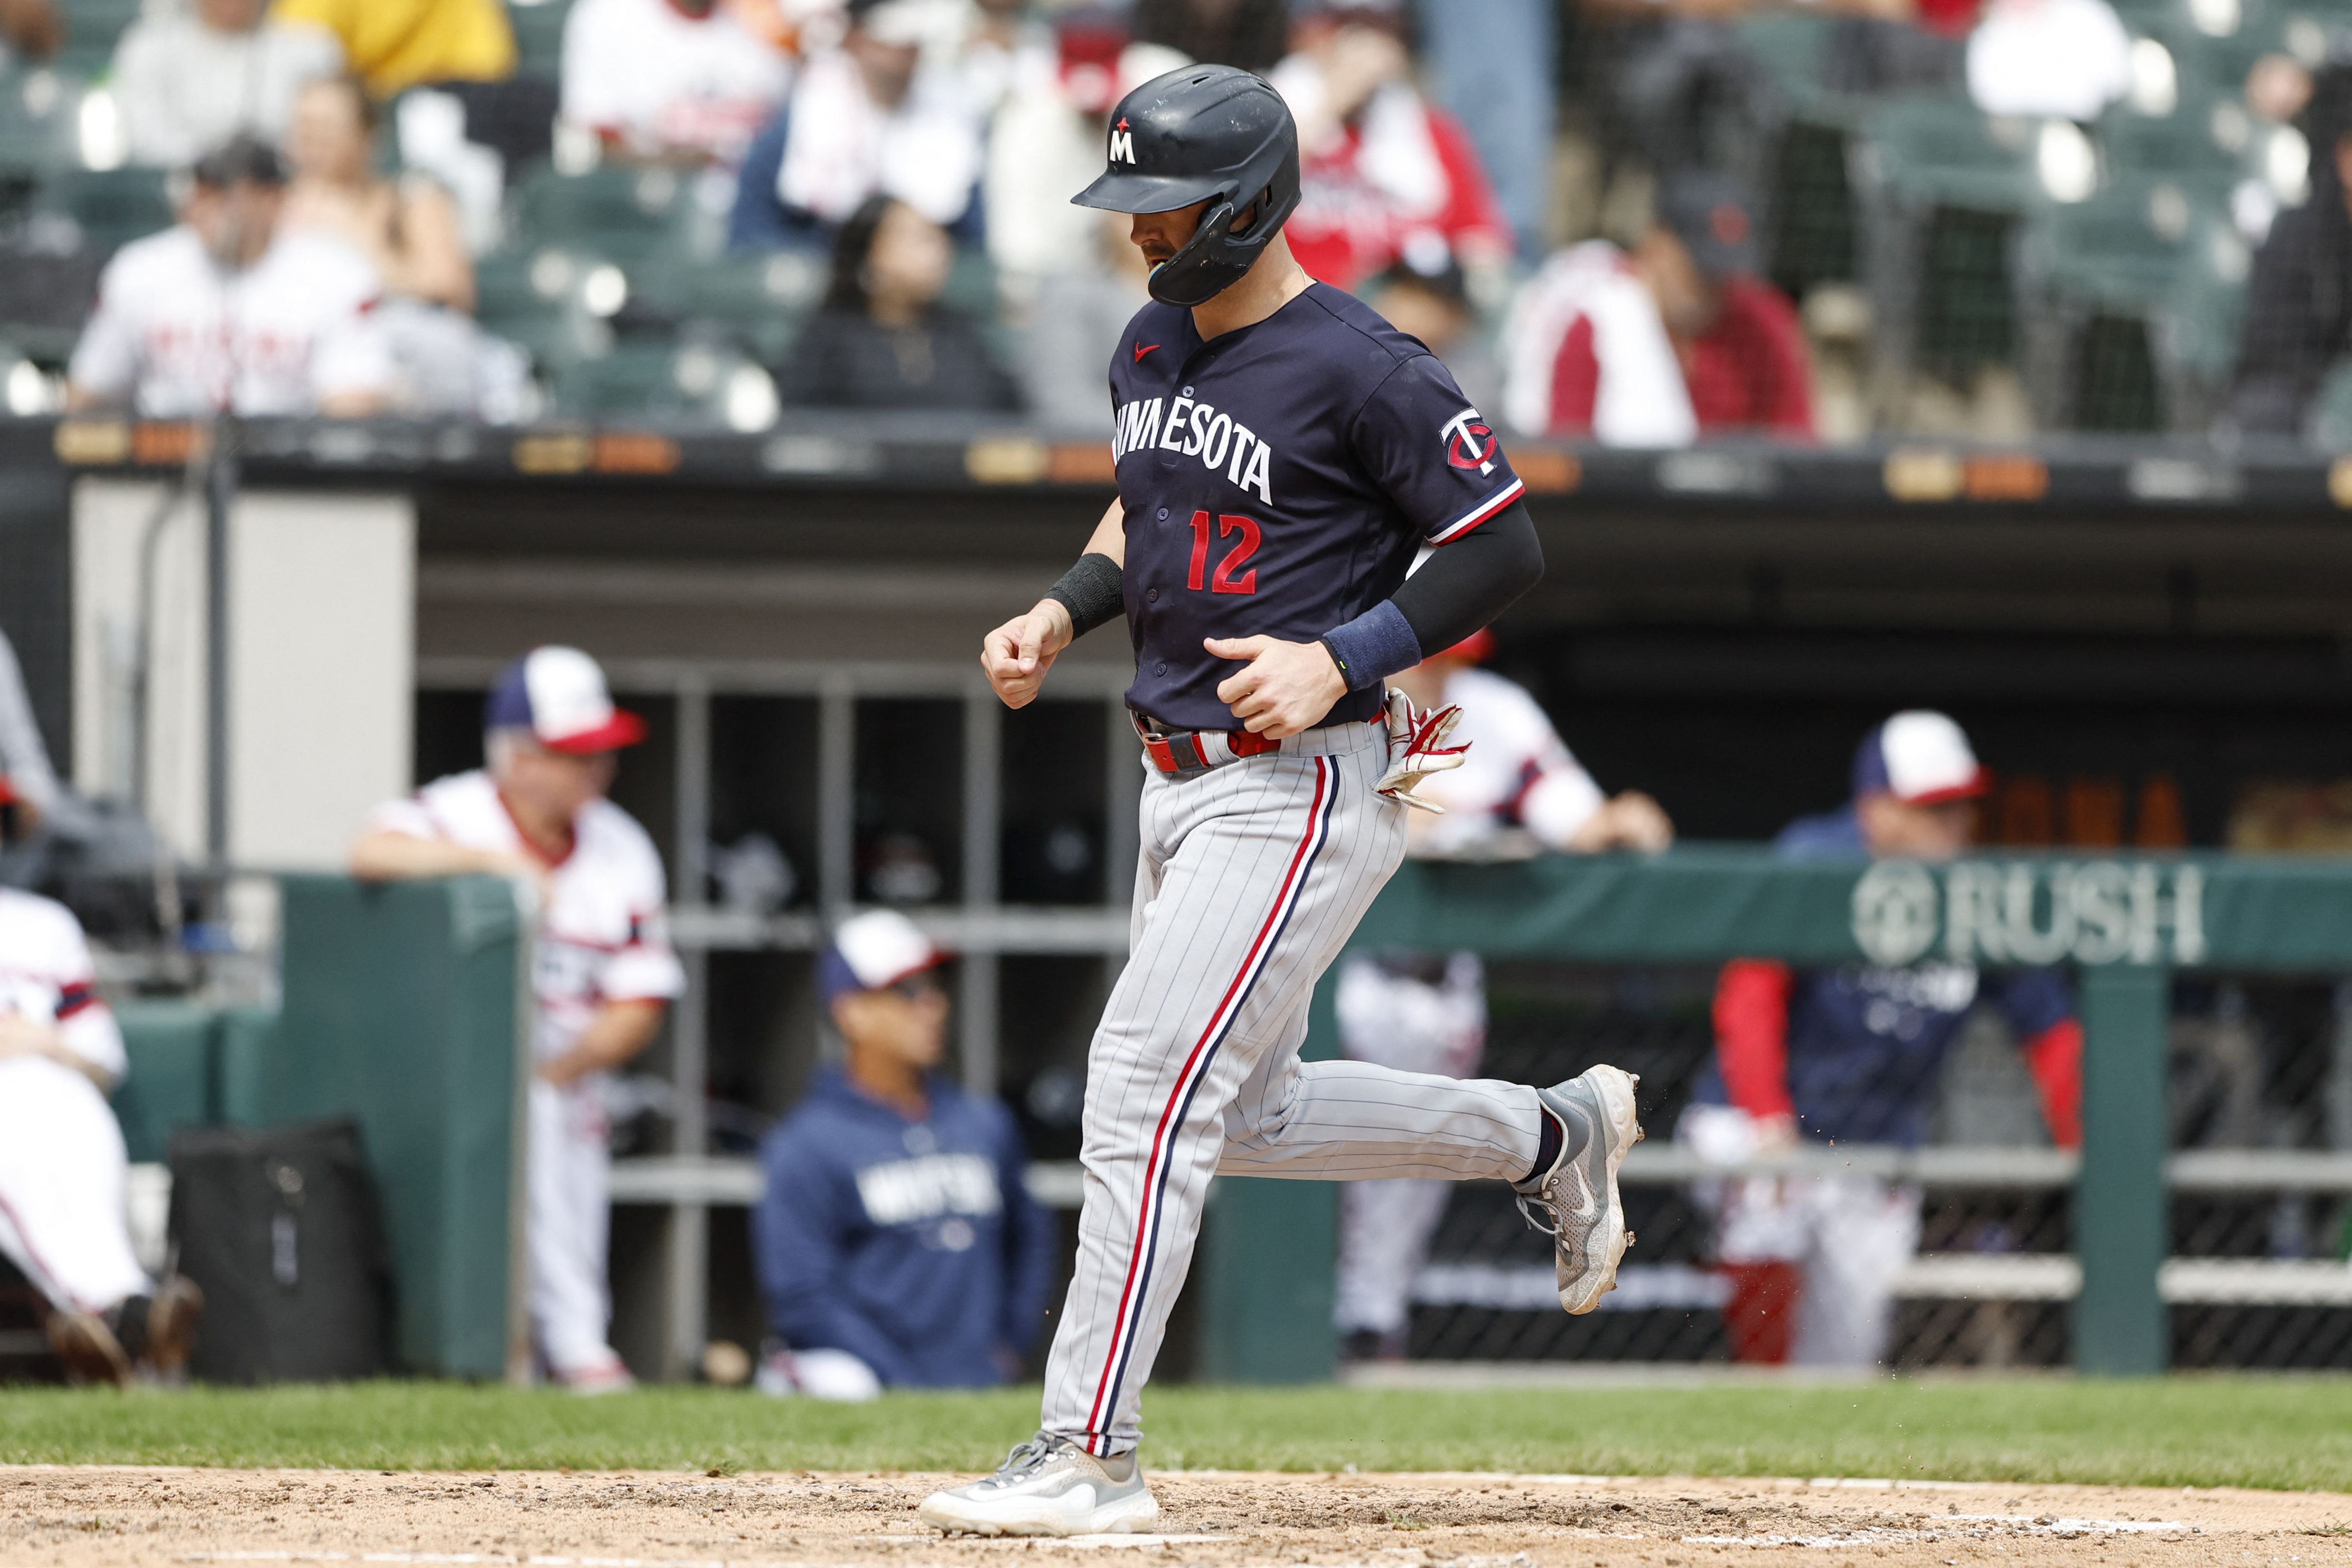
(36, 128)
(1939, 188)
(110, 207)
(2133, 299)
(93, 27)
(664, 382)
(539, 36)
(532, 299)
(1929, 152)
(621, 213)
(759, 302)
(2187, 144)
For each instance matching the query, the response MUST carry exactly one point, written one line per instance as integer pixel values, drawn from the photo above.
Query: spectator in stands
(678, 81)
(30, 28)
(230, 312)
(395, 44)
(443, 366)
(1046, 140)
(1854, 1055)
(604, 971)
(23, 760)
(2298, 306)
(1252, 34)
(867, 118)
(63, 1170)
(1075, 329)
(1425, 294)
(1378, 163)
(1493, 65)
(407, 228)
(1654, 348)
(896, 1241)
(187, 81)
(883, 340)
(1518, 793)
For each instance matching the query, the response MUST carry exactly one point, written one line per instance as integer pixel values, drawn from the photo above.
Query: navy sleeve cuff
(1373, 646)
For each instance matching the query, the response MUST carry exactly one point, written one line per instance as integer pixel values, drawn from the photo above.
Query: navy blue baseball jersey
(1278, 480)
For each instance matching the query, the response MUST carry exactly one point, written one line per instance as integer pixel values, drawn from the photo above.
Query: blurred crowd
(1623, 221)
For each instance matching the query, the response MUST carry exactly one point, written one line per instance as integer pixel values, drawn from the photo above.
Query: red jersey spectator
(1379, 163)
(1676, 339)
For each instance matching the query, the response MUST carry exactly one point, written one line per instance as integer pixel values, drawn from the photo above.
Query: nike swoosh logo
(1143, 349)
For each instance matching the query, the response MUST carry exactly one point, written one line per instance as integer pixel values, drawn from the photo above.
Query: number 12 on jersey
(1224, 582)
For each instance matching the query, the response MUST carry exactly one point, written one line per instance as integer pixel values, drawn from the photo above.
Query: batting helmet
(1205, 133)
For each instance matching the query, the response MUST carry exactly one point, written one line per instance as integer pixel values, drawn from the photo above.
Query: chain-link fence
(2261, 1094)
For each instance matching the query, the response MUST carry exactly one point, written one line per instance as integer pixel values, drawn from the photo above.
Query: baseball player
(602, 972)
(1282, 455)
(63, 1171)
(1519, 790)
(1854, 1055)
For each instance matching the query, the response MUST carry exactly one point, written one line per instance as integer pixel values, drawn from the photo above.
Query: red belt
(1192, 750)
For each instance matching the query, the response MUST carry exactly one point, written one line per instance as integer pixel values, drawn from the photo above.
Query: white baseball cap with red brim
(1922, 759)
(559, 696)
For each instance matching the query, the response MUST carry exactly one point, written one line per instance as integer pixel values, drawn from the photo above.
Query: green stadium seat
(1929, 152)
(37, 127)
(539, 36)
(531, 298)
(622, 213)
(93, 29)
(2135, 294)
(2183, 145)
(759, 302)
(110, 207)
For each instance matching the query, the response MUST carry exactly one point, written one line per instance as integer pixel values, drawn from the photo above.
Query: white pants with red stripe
(1249, 879)
(64, 1219)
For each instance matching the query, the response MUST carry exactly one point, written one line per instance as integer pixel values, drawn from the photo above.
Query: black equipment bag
(280, 1228)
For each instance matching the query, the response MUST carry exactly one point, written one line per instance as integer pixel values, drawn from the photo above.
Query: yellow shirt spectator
(395, 45)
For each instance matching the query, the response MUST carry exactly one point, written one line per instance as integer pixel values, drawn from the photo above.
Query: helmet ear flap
(1202, 271)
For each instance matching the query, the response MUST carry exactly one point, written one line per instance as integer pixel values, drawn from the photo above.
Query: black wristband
(1091, 591)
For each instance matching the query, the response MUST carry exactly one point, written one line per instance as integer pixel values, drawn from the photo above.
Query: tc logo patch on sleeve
(1470, 444)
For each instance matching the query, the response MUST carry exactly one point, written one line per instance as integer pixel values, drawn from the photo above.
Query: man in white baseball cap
(1855, 1055)
(604, 971)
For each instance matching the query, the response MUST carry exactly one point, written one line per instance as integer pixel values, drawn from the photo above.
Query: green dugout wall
(405, 1007)
(2125, 922)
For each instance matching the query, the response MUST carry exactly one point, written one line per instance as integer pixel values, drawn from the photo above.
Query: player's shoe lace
(1417, 749)
(1575, 1202)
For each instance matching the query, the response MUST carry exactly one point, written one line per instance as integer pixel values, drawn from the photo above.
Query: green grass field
(2286, 1433)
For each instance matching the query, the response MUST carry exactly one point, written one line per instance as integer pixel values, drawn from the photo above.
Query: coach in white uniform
(63, 1170)
(1520, 790)
(228, 312)
(603, 970)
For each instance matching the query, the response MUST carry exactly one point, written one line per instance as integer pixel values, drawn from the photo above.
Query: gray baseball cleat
(1048, 1486)
(1579, 1192)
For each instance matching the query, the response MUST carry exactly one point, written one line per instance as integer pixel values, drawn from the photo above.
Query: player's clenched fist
(1286, 688)
(1017, 654)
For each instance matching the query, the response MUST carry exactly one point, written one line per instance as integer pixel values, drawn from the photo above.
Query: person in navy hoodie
(896, 1245)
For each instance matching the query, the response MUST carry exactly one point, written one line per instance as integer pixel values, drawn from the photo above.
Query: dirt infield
(83, 1517)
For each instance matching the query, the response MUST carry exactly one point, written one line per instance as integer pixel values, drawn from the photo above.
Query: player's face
(906, 1023)
(1160, 236)
(1896, 830)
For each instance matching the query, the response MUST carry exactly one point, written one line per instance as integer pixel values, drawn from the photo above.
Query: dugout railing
(2127, 925)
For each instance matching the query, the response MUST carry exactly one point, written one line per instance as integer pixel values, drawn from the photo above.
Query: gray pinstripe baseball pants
(1251, 877)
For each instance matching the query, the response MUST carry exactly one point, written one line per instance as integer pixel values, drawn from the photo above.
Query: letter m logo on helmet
(1122, 143)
